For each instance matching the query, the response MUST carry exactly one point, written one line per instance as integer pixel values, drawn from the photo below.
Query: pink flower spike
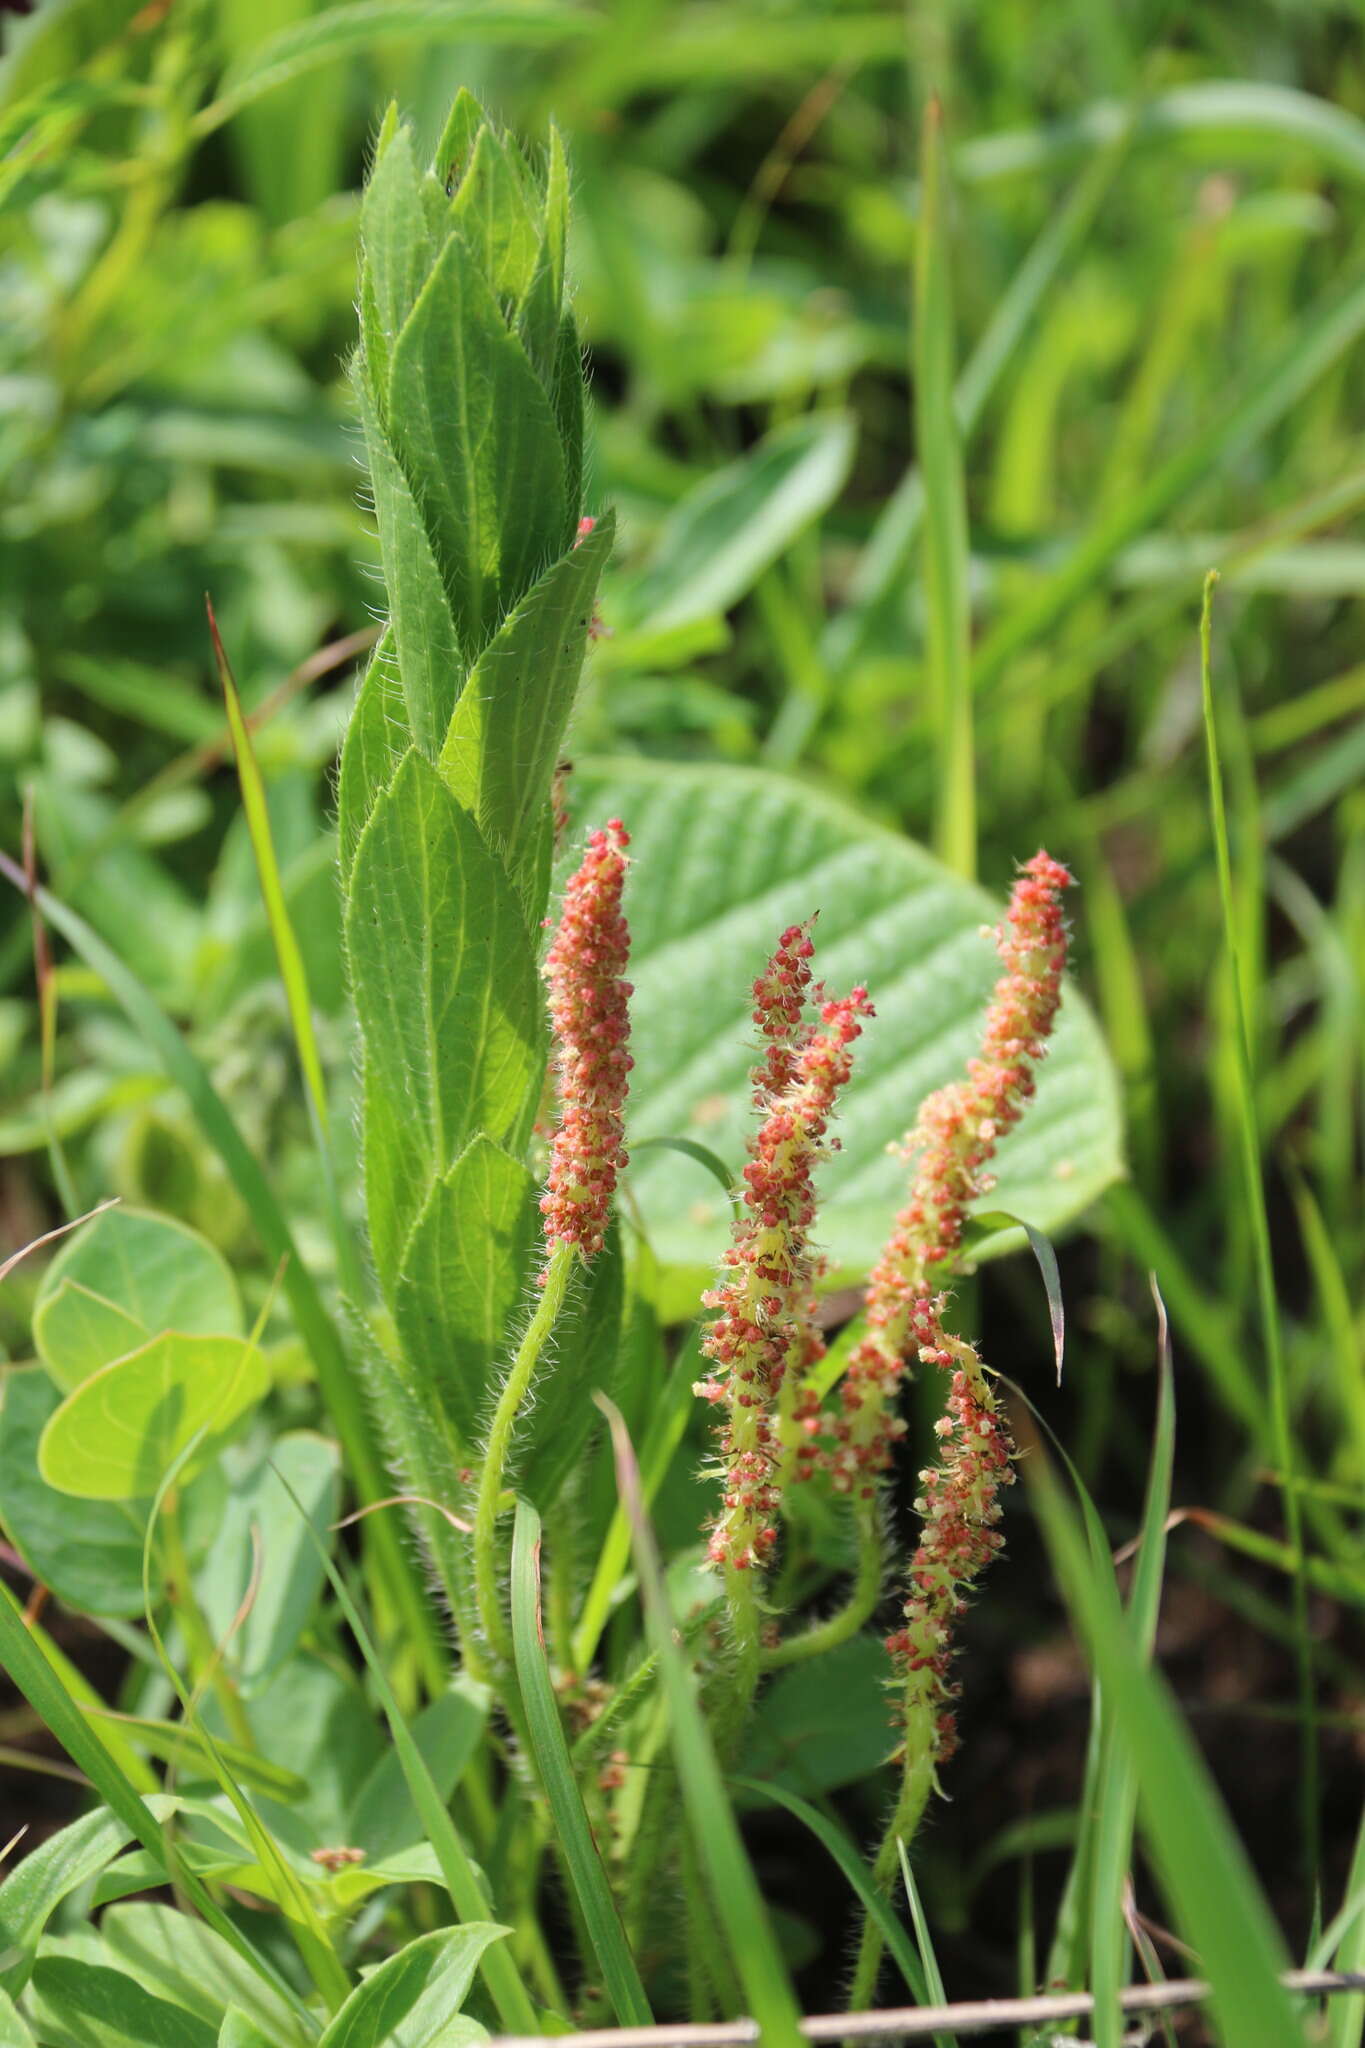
(764, 1340)
(954, 1140)
(585, 969)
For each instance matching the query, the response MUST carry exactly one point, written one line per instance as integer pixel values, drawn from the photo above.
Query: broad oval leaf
(101, 2008)
(262, 1509)
(91, 1560)
(722, 860)
(123, 1278)
(118, 1434)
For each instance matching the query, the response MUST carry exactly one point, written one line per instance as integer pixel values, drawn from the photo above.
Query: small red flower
(585, 969)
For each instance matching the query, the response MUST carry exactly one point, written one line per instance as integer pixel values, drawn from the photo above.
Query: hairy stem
(515, 1389)
(917, 1778)
(844, 1624)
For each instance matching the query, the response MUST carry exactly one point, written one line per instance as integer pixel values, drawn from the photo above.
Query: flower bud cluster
(958, 1130)
(589, 1015)
(764, 1340)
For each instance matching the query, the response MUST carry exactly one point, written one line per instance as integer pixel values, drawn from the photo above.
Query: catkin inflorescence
(957, 1132)
(764, 1338)
(589, 1016)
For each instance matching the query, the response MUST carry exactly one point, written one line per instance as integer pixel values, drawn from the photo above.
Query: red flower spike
(958, 1130)
(960, 1509)
(763, 1341)
(585, 969)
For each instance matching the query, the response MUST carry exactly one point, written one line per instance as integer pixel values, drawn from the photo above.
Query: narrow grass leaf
(293, 974)
(737, 1900)
(933, 1976)
(1117, 1782)
(461, 1879)
(35, 1679)
(1202, 1866)
(854, 1867)
(620, 1977)
(1258, 1216)
(946, 564)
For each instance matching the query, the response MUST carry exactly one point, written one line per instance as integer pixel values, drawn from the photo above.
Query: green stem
(845, 1623)
(515, 1389)
(916, 1782)
(205, 1658)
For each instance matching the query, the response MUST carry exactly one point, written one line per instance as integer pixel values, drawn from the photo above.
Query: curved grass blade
(461, 1879)
(854, 1868)
(340, 1392)
(36, 1680)
(289, 957)
(667, 1428)
(1202, 1865)
(1248, 1132)
(947, 603)
(1117, 1809)
(736, 1897)
(620, 1977)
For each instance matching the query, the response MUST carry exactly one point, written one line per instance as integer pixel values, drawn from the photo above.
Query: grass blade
(1333, 325)
(620, 1977)
(293, 974)
(35, 1679)
(340, 1391)
(933, 1976)
(1201, 1863)
(1117, 1812)
(738, 1902)
(946, 565)
(666, 1431)
(461, 1879)
(854, 1868)
(1248, 1131)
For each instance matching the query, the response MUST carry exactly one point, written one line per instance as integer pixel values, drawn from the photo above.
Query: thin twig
(975, 2016)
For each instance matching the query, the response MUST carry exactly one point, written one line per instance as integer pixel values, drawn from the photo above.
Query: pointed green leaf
(430, 663)
(176, 1956)
(398, 252)
(505, 737)
(456, 146)
(119, 1433)
(464, 1278)
(411, 2000)
(492, 213)
(446, 992)
(376, 740)
(474, 434)
(34, 1889)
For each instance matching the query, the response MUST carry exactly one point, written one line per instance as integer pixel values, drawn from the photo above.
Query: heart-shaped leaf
(723, 858)
(123, 1278)
(120, 1432)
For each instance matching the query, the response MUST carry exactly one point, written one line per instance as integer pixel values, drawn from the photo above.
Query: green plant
(543, 1771)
